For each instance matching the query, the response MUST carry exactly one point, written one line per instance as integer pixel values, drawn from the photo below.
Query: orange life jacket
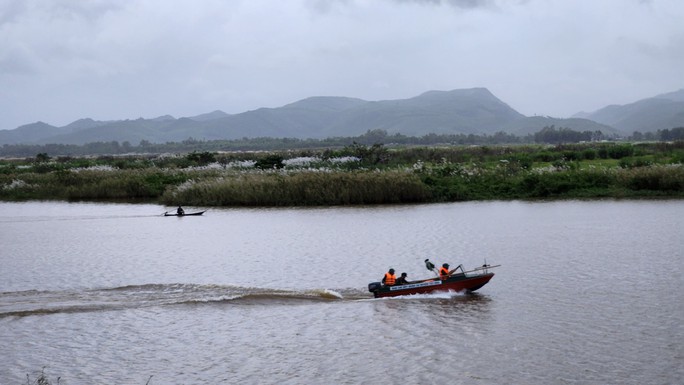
(443, 272)
(390, 279)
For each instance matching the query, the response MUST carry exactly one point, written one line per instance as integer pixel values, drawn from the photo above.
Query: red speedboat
(463, 281)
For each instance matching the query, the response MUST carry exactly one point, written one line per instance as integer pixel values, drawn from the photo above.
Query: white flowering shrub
(16, 184)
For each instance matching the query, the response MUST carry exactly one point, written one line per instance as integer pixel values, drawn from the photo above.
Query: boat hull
(457, 282)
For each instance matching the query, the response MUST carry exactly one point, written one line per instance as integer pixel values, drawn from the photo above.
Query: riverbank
(356, 175)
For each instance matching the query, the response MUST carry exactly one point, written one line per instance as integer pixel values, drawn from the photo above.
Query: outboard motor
(374, 286)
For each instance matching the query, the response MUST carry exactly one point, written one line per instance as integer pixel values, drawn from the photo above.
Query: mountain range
(660, 112)
(462, 111)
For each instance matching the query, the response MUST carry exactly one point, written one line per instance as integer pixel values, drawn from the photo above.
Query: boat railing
(457, 267)
(484, 269)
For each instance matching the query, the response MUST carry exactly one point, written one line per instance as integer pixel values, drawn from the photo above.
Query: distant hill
(530, 125)
(660, 112)
(463, 111)
(209, 116)
(677, 96)
(470, 111)
(29, 133)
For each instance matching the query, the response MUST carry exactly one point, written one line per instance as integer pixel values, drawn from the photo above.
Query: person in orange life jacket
(444, 271)
(402, 280)
(389, 279)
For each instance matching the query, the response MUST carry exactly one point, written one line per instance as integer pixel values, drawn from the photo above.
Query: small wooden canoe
(166, 214)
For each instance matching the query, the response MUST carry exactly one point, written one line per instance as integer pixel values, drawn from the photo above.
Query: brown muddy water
(588, 293)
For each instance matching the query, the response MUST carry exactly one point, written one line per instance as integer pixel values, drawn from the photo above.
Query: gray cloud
(455, 3)
(9, 11)
(65, 59)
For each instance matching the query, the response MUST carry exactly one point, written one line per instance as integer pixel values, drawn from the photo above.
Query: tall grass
(664, 179)
(397, 176)
(89, 184)
(556, 182)
(304, 188)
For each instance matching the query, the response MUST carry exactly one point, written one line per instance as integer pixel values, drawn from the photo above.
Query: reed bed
(560, 179)
(89, 184)
(367, 175)
(306, 188)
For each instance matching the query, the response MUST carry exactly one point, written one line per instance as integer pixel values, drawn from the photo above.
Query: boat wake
(32, 302)
(21, 219)
(450, 294)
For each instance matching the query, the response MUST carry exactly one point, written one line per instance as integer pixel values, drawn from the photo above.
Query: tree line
(547, 135)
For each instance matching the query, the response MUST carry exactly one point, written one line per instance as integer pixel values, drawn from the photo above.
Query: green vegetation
(356, 174)
(302, 188)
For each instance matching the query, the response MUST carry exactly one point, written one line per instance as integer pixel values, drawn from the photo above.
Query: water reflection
(443, 308)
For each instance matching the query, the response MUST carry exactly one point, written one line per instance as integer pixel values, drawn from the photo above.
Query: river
(588, 292)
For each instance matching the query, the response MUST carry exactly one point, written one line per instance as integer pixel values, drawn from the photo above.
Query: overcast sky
(62, 60)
